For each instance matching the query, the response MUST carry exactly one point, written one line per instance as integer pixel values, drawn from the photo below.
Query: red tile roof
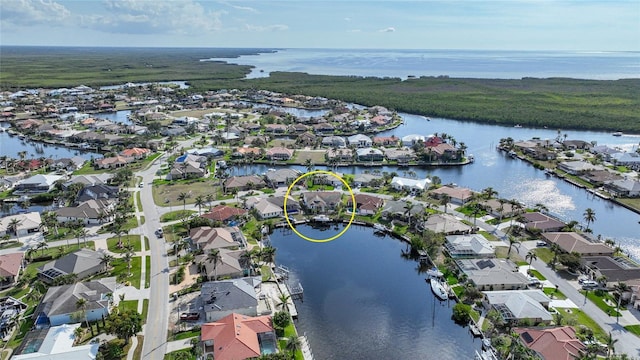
(553, 344)
(10, 264)
(223, 213)
(235, 337)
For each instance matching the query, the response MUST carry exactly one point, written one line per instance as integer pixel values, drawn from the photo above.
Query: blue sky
(468, 24)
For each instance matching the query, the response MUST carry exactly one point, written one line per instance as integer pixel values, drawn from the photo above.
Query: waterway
(363, 300)
(12, 145)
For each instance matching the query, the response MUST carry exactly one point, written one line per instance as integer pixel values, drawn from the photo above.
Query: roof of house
(75, 262)
(60, 300)
(58, 345)
(472, 244)
(520, 304)
(615, 269)
(214, 238)
(228, 264)
(228, 295)
(40, 179)
(327, 197)
(279, 150)
(559, 343)
(358, 137)
(368, 151)
(89, 209)
(236, 336)
(10, 264)
(282, 175)
(541, 221)
(366, 201)
(93, 179)
(491, 272)
(627, 185)
(445, 223)
(420, 184)
(241, 181)
(133, 152)
(223, 213)
(400, 207)
(574, 242)
(454, 192)
(28, 221)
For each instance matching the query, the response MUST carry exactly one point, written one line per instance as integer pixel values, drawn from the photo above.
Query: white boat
(434, 273)
(321, 218)
(617, 133)
(380, 227)
(439, 290)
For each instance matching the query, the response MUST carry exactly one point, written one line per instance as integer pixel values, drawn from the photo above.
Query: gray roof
(75, 262)
(282, 175)
(520, 304)
(62, 299)
(491, 272)
(227, 295)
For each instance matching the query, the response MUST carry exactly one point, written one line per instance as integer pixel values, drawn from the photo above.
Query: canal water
(363, 300)
(12, 145)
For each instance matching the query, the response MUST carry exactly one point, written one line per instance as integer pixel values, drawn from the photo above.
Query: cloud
(354, 31)
(157, 17)
(275, 27)
(389, 29)
(243, 8)
(32, 12)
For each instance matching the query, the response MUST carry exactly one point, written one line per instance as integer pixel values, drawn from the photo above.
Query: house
(369, 154)
(386, 140)
(90, 212)
(58, 306)
(306, 139)
(469, 246)
(457, 195)
(94, 179)
(10, 268)
(498, 209)
(321, 201)
(413, 139)
(241, 183)
(366, 179)
(11, 310)
(411, 185)
(83, 263)
(615, 269)
(624, 188)
(206, 152)
(273, 206)
(577, 144)
(275, 128)
(27, 224)
(224, 213)
(237, 337)
(112, 162)
(493, 274)
(541, 222)
(365, 204)
(36, 184)
(444, 151)
(136, 153)
(281, 177)
(95, 192)
(518, 305)
(553, 343)
(401, 210)
(206, 237)
(187, 170)
(54, 343)
(341, 154)
(360, 141)
(247, 151)
(323, 128)
(573, 242)
(229, 265)
(68, 164)
(444, 223)
(279, 153)
(298, 129)
(401, 155)
(577, 167)
(334, 141)
(628, 159)
(224, 297)
(326, 179)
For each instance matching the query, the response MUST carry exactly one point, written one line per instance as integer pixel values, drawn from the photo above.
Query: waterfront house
(136, 153)
(207, 152)
(10, 269)
(493, 274)
(323, 128)
(445, 151)
(401, 210)
(83, 263)
(90, 212)
(58, 306)
(340, 154)
(247, 151)
(227, 266)
(519, 305)
(298, 129)
(624, 188)
(68, 164)
(326, 179)
(321, 201)
(577, 144)
(223, 297)
(334, 142)
(616, 269)
(571, 242)
(363, 179)
(207, 238)
(275, 129)
(281, 177)
(412, 185)
(457, 195)
(187, 170)
(500, 210)
(541, 222)
(112, 162)
(28, 223)
(273, 206)
(469, 246)
(605, 151)
(386, 140)
(225, 214)
(369, 154)
(444, 223)
(57, 342)
(279, 153)
(37, 184)
(554, 343)
(402, 155)
(257, 140)
(599, 178)
(578, 167)
(359, 141)
(242, 183)
(238, 337)
(96, 192)
(306, 139)
(412, 139)
(365, 204)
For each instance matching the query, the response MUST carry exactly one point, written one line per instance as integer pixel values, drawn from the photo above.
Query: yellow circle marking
(353, 201)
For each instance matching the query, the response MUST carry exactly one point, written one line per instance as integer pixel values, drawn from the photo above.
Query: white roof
(523, 304)
(28, 221)
(58, 345)
(358, 137)
(474, 243)
(421, 184)
(413, 137)
(42, 179)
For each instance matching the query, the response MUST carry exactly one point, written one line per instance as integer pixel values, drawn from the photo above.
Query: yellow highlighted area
(353, 201)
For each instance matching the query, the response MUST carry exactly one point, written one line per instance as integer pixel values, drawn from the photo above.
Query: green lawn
(55, 250)
(120, 271)
(146, 243)
(186, 334)
(554, 294)
(147, 271)
(138, 201)
(544, 254)
(10, 244)
(600, 303)
(175, 215)
(583, 319)
(266, 272)
(128, 304)
(145, 309)
(537, 274)
(290, 331)
(142, 220)
(634, 329)
(133, 240)
(178, 355)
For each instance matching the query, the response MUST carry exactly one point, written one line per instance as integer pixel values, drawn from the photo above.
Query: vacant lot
(316, 156)
(167, 194)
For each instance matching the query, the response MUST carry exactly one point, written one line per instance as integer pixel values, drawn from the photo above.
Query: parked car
(159, 233)
(190, 316)
(541, 244)
(589, 284)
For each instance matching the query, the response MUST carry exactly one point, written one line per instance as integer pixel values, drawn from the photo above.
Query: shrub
(461, 313)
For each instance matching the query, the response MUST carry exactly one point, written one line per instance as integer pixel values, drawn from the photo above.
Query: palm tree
(610, 345)
(589, 217)
(214, 257)
(128, 256)
(199, 202)
(541, 207)
(42, 246)
(105, 260)
(293, 344)
(475, 211)
(13, 226)
(209, 199)
(245, 261)
(81, 304)
(556, 250)
(512, 241)
(444, 201)
(620, 288)
(407, 211)
(531, 255)
(268, 254)
(183, 196)
(284, 301)
(488, 193)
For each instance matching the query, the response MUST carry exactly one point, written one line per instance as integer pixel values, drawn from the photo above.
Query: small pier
(474, 330)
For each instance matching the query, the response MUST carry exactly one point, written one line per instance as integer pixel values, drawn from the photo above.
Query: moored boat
(438, 289)
(617, 133)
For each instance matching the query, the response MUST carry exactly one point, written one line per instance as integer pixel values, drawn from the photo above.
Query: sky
(359, 24)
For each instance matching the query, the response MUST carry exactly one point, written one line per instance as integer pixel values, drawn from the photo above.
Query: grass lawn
(290, 331)
(554, 294)
(147, 271)
(10, 244)
(87, 168)
(488, 236)
(128, 304)
(145, 309)
(522, 263)
(186, 334)
(131, 223)
(537, 274)
(134, 240)
(55, 250)
(632, 202)
(316, 157)
(138, 201)
(634, 329)
(120, 270)
(583, 319)
(174, 355)
(175, 215)
(544, 254)
(266, 272)
(146, 243)
(142, 220)
(170, 191)
(137, 353)
(599, 301)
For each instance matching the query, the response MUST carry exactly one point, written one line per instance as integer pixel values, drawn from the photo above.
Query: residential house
(444, 223)
(281, 177)
(241, 183)
(444, 151)
(87, 180)
(401, 210)
(554, 343)
(614, 268)
(402, 155)
(624, 188)
(360, 141)
(386, 140)
(326, 179)
(68, 164)
(573, 242)
(340, 154)
(136, 153)
(36, 184)
(208, 152)
(273, 206)
(258, 140)
(112, 162)
(56, 342)
(229, 265)
(365, 204)
(541, 222)
(469, 246)
(457, 195)
(90, 212)
(366, 179)
(413, 139)
(28, 223)
(306, 139)
(411, 185)
(599, 178)
(605, 151)
(224, 297)
(334, 142)
(275, 128)
(95, 192)
(321, 201)
(577, 144)
(369, 154)
(323, 128)
(10, 268)
(187, 170)
(518, 305)
(224, 213)
(628, 159)
(578, 167)
(500, 210)
(237, 337)
(493, 274)
(279, 153)
(247, 151)
(83, 263)
(298, 129)
(207, 238)
(58, 306)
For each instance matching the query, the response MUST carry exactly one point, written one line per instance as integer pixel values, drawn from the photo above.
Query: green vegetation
(634, 329)
(122, 274)
(577, 316)
(554, 294)
(133, 240)
(537, 274)
(598, 298)
(185, 334)
(544, 254)
(175, 215)
(138, 201)
(147, 271)
(266, 272)
(128, 304)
